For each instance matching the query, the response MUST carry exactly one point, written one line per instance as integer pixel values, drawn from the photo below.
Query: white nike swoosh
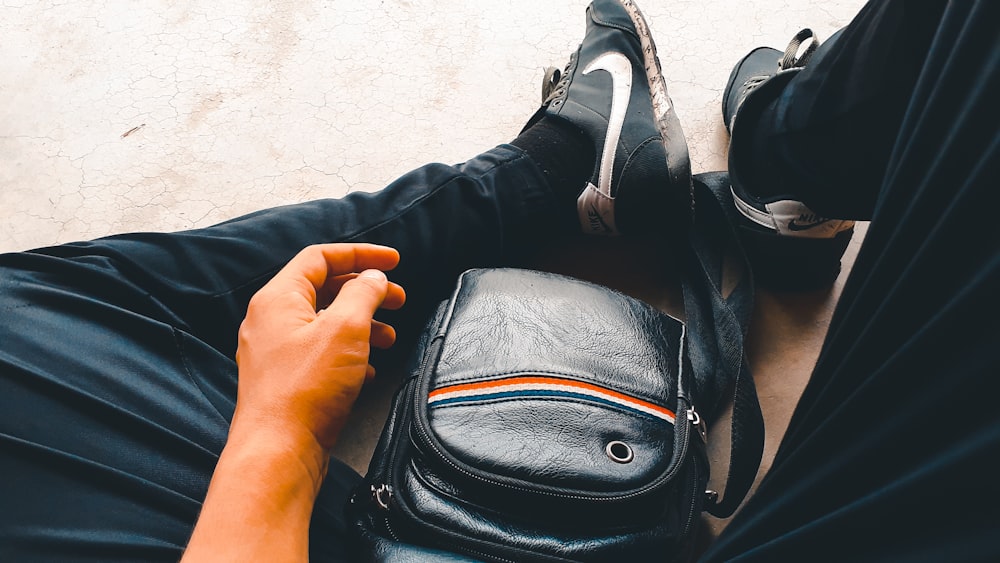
(620, 69)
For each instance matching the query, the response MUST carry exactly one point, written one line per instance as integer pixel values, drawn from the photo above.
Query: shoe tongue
(612, 14)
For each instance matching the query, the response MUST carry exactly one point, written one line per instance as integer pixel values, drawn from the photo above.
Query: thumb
(359, 298)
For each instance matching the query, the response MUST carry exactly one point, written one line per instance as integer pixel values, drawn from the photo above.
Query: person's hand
(302, 356)
(304, 345)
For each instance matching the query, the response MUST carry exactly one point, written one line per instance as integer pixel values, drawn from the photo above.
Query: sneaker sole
(790, 263)
(664, 117)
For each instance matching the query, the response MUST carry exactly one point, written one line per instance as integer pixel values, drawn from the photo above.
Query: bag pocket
(541, 446)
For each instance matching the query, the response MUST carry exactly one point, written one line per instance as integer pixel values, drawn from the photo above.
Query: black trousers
(893, 451)
(117, 381)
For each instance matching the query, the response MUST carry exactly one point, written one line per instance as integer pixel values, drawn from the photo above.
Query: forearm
(260, 500)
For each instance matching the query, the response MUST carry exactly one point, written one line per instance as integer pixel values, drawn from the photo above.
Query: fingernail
(373, 274)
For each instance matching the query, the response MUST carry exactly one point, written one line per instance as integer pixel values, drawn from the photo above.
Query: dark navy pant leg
(829, 136)
(893, 451)
(442, 219)
(117, 382)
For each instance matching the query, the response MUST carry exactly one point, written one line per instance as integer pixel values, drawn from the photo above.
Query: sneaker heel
(792, 263)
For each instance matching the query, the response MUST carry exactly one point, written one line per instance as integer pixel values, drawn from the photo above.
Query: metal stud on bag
(619, 451)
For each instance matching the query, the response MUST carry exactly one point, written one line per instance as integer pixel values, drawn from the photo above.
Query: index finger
(394, 299)
(306, 273)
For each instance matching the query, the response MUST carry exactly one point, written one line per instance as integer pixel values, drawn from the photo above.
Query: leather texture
(513, 323)
(405, 553)
(498, 446)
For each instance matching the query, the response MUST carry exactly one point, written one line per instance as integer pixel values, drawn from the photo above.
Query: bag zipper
(459, 539)
(383, 494)
(385, 500)
(681, 446)
(381, 489)
(682, 438)
(694, 496)
(433, 349)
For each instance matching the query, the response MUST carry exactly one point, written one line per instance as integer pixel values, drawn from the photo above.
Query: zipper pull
(699, 424)
(382, 494)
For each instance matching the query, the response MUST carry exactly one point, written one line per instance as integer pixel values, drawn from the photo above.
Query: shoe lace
(550, 81)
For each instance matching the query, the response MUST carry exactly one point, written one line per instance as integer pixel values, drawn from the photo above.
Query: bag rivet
(619, 451)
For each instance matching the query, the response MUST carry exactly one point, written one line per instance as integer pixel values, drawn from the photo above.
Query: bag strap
(717, 318)
(718, 301)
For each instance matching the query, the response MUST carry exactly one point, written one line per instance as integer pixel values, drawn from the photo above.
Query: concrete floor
(118, 116)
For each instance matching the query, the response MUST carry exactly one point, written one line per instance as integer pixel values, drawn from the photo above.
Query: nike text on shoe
(613, 90)
(788, 244)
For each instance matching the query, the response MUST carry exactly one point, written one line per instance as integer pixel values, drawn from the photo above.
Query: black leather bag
(545, 419)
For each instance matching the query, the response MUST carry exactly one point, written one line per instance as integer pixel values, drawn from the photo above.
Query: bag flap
(545, 382)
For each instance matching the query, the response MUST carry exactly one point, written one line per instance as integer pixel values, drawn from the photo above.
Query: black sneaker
(613, 90)
(788, 244)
